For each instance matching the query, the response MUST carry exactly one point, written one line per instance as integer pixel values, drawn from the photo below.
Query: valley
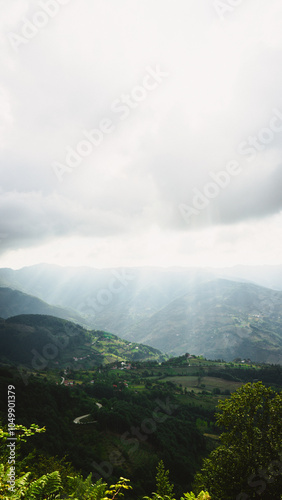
(132, 417)
(130, 369)
(173, 310)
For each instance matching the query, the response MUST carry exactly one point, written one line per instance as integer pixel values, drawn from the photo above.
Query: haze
(140, 133)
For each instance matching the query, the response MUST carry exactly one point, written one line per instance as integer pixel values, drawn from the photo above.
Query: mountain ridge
(13, 302)
(173, 310)
(212, 323)
(40, 341)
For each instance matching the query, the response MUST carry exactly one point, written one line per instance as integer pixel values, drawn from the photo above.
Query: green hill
(40, 341)
(174, 310)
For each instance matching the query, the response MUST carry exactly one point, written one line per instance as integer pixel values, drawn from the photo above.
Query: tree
(52, 485)
(45, 487)
(162, 481)
(248, 463)
(165, 489)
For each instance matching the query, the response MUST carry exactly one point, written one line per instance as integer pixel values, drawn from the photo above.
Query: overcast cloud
(176, 92)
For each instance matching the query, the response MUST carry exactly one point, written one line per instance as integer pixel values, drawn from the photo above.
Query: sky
(140, 132)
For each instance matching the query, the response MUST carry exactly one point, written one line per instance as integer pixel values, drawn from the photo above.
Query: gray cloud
(224, 82)
(31, 218)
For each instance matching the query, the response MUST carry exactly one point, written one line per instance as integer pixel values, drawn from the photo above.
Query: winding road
(77, 420)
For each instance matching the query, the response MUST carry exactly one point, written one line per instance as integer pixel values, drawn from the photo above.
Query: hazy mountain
(175, 309)
(268, 276)
(219, 319)
(14, 302)
(111, 299)
(40, 341)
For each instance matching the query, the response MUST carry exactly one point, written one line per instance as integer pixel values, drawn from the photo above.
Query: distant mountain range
(14, 302)
(219, 319)
(176, 310)
(268, 276)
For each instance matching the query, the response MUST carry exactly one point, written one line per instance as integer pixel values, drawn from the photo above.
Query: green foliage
(172, 431)
(175, 434)
(21, 431)
(115, 490)
(39, 465)
(165, 489)
(246, 461)
(162, 481)
(44, 488)
(203, 495)
(83, 489)
(163, 486)
(155, 496)
(50, 486)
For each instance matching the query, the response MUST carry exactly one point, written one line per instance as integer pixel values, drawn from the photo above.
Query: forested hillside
(112, 422)
(126, 436)
(40, 341)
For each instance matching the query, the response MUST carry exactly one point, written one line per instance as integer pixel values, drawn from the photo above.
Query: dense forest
(132, 419)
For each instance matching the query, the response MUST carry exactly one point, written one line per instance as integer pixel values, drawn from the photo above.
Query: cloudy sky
(140, 132)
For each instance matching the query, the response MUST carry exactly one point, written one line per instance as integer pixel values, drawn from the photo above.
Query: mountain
(40, 341)
(219, 319)
(176, 310)
(14, 303)
(107, 299)
(73, 286)
(267, 276)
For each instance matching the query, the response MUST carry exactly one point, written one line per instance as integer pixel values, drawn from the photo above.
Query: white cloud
(224, 82)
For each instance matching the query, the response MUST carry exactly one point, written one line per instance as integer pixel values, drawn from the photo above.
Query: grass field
(199, 400)
(210, 383)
